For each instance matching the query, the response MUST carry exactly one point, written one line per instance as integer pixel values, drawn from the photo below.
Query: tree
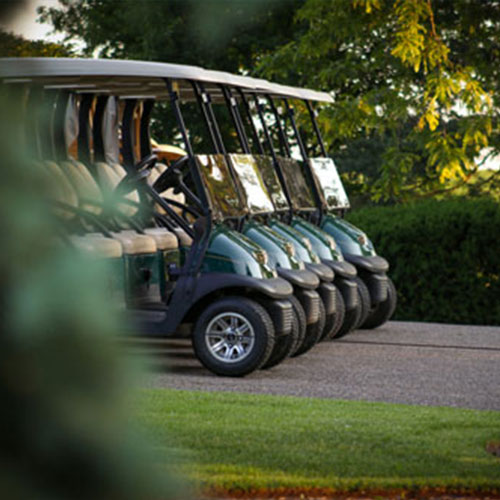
(16, 46)
(417, 75)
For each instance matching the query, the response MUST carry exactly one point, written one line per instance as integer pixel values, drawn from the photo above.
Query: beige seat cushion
(60, 188)
(165, 240)
(109, 178)
(184, 238)
(97, 245)
(84, 185)
(134, 243)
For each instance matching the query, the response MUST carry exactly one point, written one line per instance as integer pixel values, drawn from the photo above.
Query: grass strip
(240, 443)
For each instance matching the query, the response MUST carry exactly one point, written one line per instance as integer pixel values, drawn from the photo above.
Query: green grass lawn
(237, 441)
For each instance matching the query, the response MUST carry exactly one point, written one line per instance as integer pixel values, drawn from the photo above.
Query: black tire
(301, 317)
(313, 332)
(263, 336)
(351, 319)
(383, 311)
(284, 344)
(339, 314)
(364, 300)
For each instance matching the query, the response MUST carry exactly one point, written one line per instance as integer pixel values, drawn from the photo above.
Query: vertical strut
(314, 122)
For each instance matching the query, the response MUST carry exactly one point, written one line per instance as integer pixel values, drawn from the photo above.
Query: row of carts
(228, 229)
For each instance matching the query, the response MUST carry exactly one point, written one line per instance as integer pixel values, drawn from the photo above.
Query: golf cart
(234, 303)
(378, 292)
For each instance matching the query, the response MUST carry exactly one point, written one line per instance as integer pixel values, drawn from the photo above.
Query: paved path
(402, 362)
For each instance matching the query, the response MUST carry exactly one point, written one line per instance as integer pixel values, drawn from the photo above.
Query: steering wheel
(172, 176)
(140, 171)
(147, 163)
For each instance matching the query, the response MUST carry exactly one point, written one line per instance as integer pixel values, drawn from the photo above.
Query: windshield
(266, 168)
(252, 184)
(221, 188)
(300, 191)
(329, 180)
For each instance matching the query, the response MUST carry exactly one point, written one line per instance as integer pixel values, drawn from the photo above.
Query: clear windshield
(265, 165)
(329, 180)
(220, 186)
(300, 191)
(252, 184)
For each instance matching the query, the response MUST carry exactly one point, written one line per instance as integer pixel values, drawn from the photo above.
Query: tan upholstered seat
(109, 178)
(184, 238)
(165, 240)
(84, 184)
(134, 244)
(96, 245)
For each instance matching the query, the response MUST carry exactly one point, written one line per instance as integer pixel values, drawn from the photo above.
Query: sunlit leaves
(402, 74)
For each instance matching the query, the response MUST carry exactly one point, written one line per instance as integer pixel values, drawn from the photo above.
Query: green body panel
(115, 276)
(231, 252)
(302, 244)
(145, 276)
(349, 238)
(274, 244)
(322, 243)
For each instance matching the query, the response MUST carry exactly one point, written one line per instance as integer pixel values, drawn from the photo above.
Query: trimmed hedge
(444, 257)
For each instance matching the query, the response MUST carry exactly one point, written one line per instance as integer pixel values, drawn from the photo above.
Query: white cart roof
(136, 78)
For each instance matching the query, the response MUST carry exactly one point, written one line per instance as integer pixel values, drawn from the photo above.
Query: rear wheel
(313, 333)
(339, 314)
(284, 344)
(383, 310)
(364, 300)
(233, 336)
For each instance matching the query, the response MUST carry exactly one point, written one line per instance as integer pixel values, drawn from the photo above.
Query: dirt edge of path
(362, 494)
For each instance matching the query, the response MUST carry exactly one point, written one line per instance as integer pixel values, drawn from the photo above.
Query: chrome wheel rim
(230, 337)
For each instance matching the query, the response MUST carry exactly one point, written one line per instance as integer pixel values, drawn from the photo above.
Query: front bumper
(341, 268)
(301, 278)
(328, 296)
(309, 299)
(281, 313)
(371, 263)
(349, 290)
(324, 272)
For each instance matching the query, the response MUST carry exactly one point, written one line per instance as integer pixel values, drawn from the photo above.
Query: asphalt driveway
(402, 362)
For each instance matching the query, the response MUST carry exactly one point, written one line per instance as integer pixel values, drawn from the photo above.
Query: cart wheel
(364, 299)
(384, 310)
(284, 344)
(351, 319)
(313, 333)
(299, 312)
(233, 336)
(339, 315)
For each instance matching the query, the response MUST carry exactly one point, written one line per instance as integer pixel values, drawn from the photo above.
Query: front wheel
(383, 310)
(364, 301)
(233, 336)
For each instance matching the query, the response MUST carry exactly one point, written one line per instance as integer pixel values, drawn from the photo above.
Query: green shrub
(444, 257)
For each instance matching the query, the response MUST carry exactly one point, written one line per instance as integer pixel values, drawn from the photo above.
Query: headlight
(331, 243)
(362, 239)
(307, 243)
(261, 257)
(290, 249)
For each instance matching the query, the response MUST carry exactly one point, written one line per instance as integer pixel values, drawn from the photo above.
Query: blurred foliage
(416, 77)
(65, 385)
(443, 255)
(16, 46)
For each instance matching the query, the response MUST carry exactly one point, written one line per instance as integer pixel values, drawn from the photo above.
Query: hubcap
(229, 337)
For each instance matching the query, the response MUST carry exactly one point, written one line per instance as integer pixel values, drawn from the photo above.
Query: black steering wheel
(141, 171)
(172, 177)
